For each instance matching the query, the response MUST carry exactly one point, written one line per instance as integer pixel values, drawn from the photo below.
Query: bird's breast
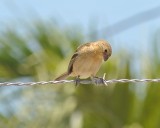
(87, 65)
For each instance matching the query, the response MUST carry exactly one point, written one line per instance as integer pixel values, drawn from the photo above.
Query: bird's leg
(99, 80)
(77, 81)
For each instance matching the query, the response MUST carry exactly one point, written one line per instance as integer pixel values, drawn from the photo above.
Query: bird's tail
(62, 77)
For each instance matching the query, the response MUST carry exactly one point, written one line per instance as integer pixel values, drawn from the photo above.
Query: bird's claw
(77, 81)
(99, 80)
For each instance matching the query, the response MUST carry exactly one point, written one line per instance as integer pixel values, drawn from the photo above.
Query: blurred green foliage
(42, 52)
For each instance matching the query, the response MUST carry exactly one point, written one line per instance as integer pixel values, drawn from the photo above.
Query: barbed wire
(99, 82)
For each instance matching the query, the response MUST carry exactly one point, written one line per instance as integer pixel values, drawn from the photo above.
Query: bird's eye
(105, 50)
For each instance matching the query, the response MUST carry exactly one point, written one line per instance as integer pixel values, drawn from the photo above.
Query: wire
(98, 81)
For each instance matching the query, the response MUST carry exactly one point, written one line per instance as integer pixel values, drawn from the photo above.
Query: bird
(87, 60)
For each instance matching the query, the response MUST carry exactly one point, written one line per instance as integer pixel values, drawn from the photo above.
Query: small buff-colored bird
(87, 60)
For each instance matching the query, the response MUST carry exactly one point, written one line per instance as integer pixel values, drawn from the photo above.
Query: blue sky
(72, 11)
(83, 13)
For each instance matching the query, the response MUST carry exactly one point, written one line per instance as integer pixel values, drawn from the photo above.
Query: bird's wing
(70, 67)
(81, 49)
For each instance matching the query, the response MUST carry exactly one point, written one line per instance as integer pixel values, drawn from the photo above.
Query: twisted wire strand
(103, 81)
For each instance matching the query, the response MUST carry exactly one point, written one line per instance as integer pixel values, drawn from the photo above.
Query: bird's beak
(105, 56)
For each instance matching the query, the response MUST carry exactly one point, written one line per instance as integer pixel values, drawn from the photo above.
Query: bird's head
(106, 49)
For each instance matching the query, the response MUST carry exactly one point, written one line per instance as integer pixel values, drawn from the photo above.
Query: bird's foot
(99, 80)
(77, 81)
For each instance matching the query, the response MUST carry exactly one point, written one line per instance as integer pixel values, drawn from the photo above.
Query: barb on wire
(97, 81)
